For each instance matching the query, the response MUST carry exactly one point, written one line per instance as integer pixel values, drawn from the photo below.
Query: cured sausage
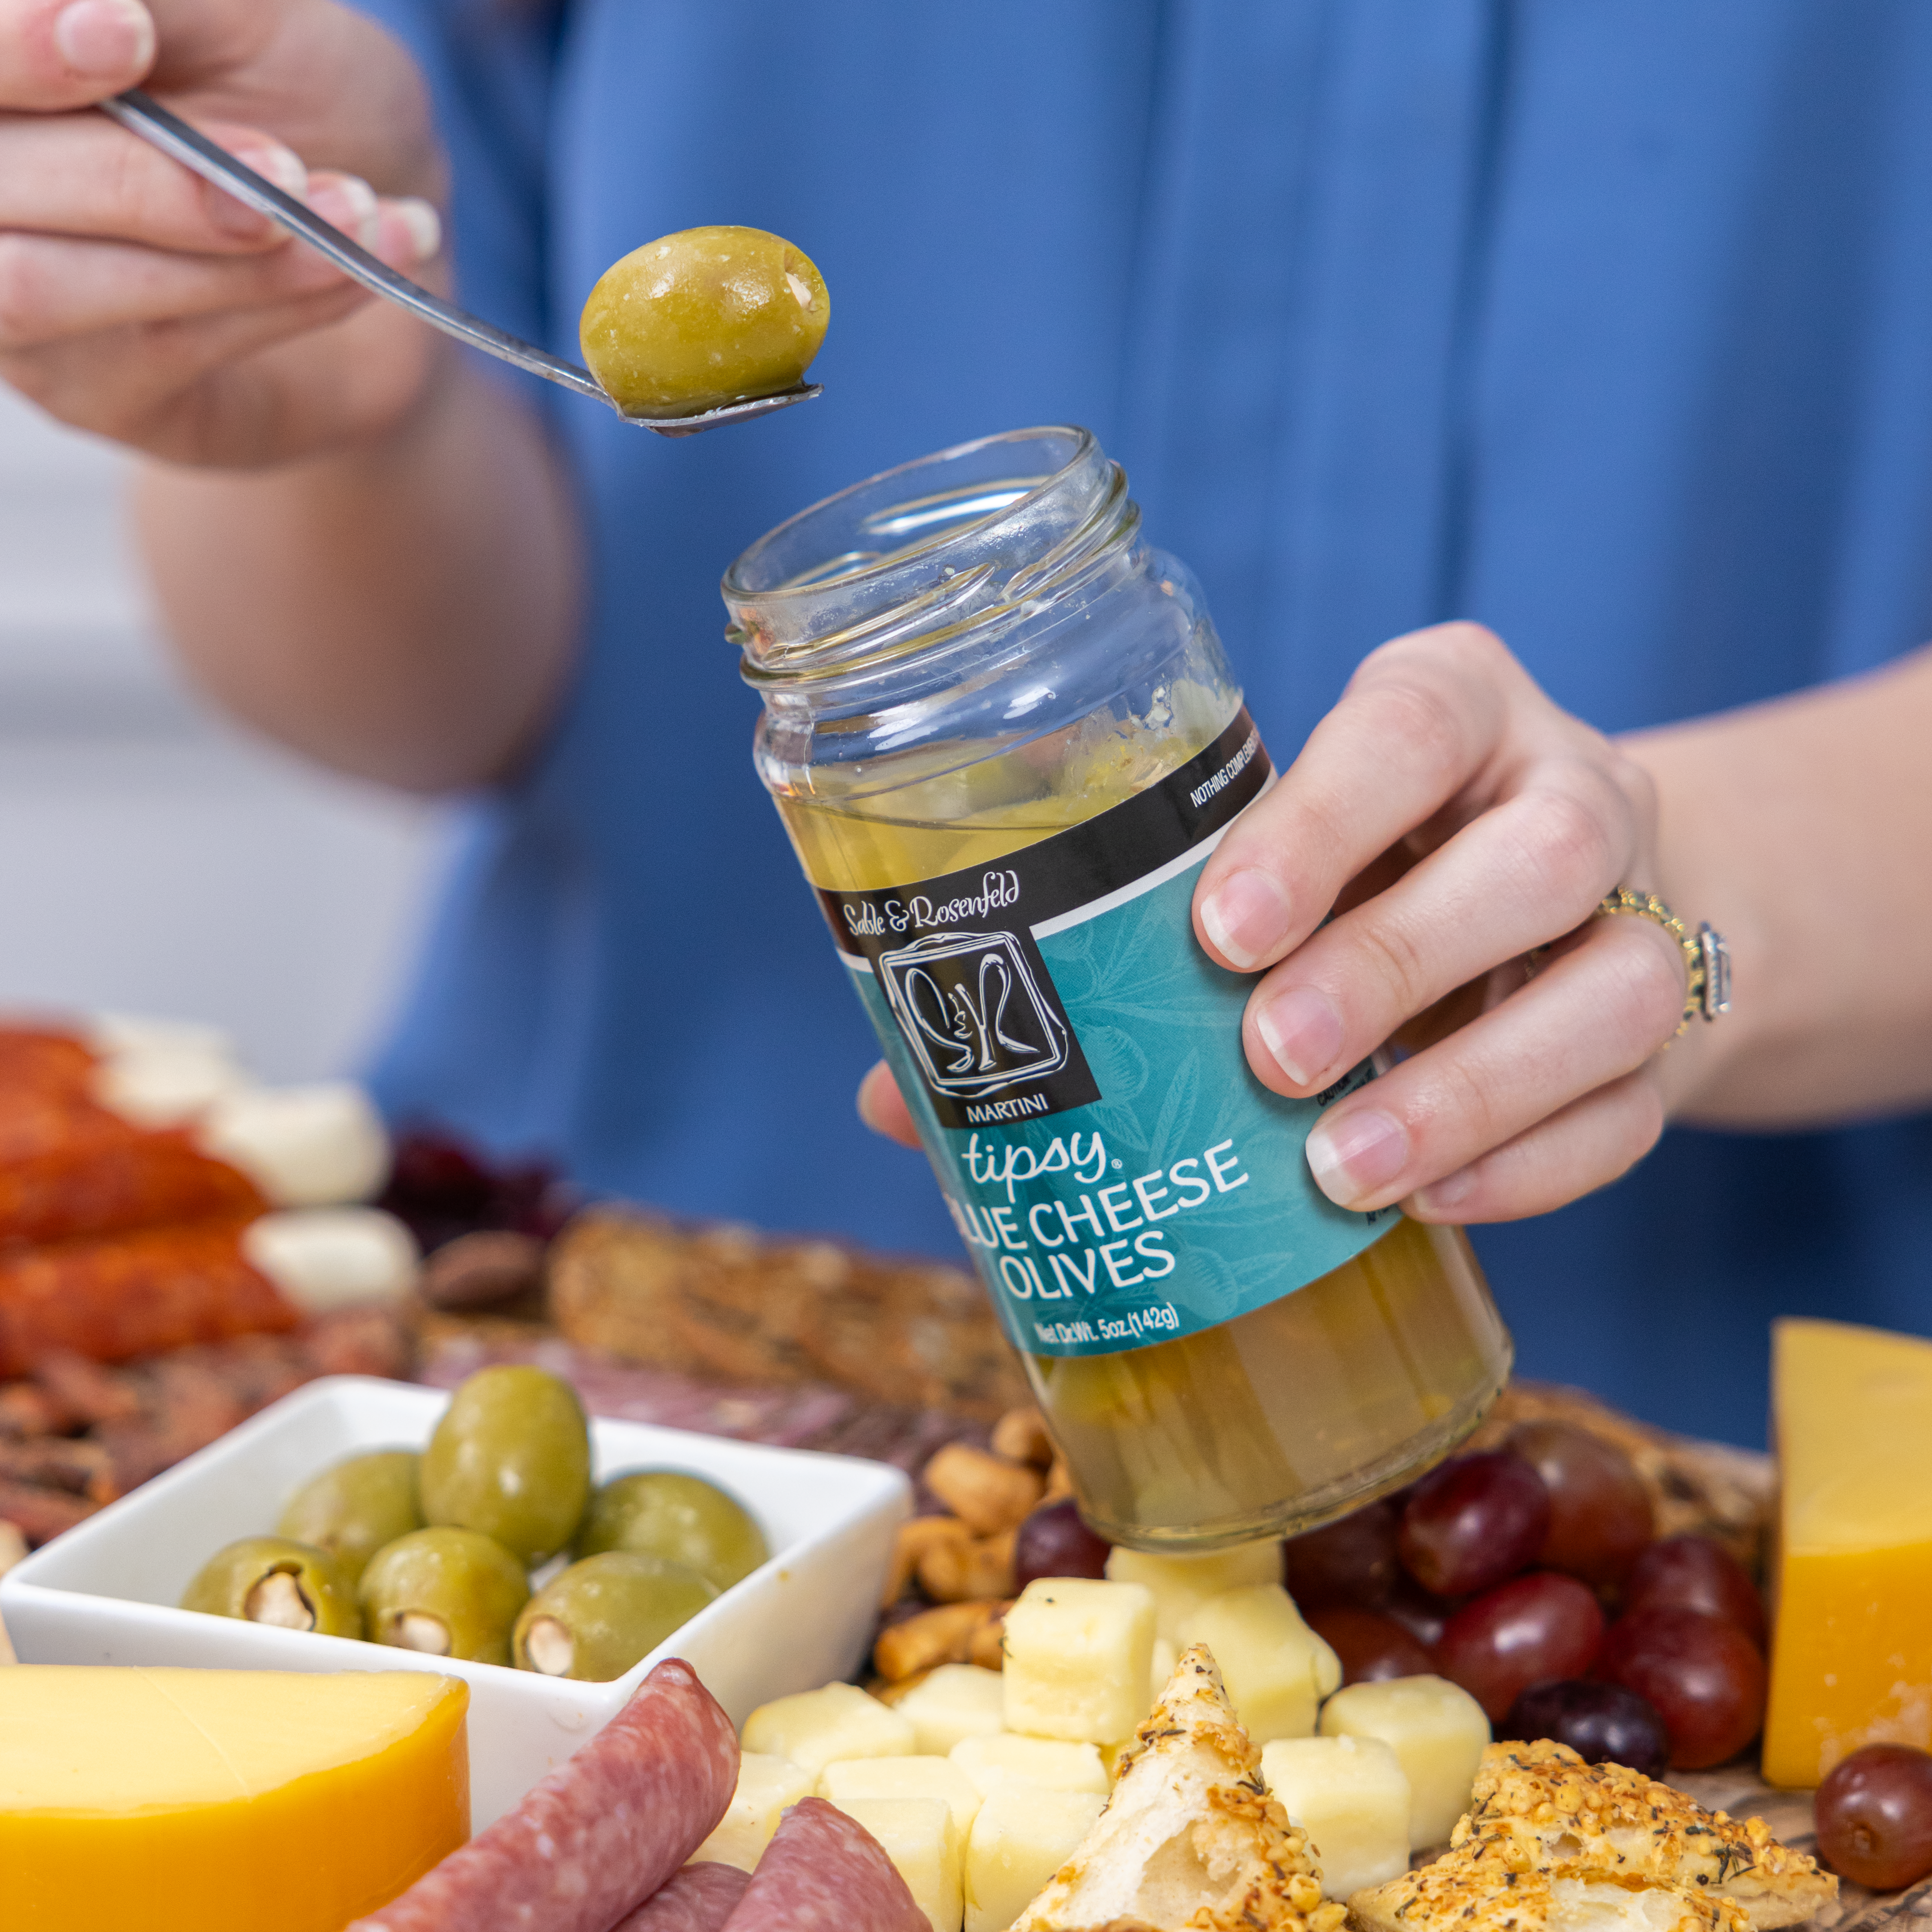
(698, 1899)
(824, 1872)
(101, 1184)
(603, 1832)
(134, 1294)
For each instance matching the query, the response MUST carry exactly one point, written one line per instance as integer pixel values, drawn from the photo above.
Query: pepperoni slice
(700, 1898)
(603, 1832)
(824, 1872)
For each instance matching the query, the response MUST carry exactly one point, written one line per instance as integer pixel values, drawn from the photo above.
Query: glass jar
(1003, 736)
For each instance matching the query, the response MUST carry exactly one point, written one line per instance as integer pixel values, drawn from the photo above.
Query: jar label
(1074, 1061)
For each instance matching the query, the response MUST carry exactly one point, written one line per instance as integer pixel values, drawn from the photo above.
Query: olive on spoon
(761, 357)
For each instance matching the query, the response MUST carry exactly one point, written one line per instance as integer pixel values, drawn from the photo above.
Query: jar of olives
(1003, 736)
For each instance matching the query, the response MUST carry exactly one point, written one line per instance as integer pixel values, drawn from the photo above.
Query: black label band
(956, 958)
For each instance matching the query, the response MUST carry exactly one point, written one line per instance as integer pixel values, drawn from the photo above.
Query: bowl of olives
(497, 1533)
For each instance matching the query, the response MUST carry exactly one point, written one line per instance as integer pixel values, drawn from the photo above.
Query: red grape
(1532, 1630)
(1370, 1644)
(1692, 1573)
(1601, 1723)
(1350, 1561)
(1473, 1522)
(1419, 1613)
(1053, 1542)
(1706, 1677)
(1600, 1514)
(1874, 1813)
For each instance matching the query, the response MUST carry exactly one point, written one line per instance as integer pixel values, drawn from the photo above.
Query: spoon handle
(141, 114)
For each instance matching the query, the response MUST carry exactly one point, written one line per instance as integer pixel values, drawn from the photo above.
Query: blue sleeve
(489, 65)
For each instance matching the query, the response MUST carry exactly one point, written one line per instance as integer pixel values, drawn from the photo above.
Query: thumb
(57, 54)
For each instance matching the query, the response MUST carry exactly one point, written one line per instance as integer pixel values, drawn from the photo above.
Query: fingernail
(103, 38)
(278, 164)
(349, 202)
(1353, 1158)
(423, 225)
(1246, 917)
(1303, 1031)
(1441, 1197)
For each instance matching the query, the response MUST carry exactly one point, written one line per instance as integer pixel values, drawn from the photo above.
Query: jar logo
(976, 1019)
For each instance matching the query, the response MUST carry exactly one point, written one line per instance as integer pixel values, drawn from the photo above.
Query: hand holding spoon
(654, 405)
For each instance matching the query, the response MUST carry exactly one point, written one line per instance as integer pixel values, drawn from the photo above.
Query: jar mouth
(894, 565)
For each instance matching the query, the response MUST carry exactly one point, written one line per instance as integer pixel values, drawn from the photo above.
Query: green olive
(666, 1513)
(272, 1579)
(711, 315)
(511, 1458)
(595, 1619)
(446, 1593)
(353, 1508)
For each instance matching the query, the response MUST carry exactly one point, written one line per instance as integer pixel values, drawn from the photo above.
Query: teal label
(1074, 1061)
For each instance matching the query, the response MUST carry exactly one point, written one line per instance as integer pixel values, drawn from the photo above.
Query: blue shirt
(1608, 323)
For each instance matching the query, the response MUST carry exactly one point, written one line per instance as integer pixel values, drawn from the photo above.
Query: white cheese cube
(1022, 1836)
(1350, 1796)
(765, 1786)
(1181, 1584)
(958, 1700)
(916, 1833)
(1165, 1657)
(1039, 1762)
(1437, 1730)
(918, 1776)
(1276, 1670)
(815, 1727)
(1079, 1653)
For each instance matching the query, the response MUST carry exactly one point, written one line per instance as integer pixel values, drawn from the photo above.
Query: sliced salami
(700, 1898)
(601, 1833)
(824, 1872)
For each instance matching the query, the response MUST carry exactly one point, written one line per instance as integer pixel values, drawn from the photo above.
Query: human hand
(140, 302)
(1453, 820)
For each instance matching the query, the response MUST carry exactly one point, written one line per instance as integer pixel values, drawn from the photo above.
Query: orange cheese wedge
(1852, 1649)
(222, 1800)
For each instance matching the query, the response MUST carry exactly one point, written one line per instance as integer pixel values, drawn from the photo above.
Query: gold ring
(1707, 959)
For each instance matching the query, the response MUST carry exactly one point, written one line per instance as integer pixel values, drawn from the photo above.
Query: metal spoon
(141, 114)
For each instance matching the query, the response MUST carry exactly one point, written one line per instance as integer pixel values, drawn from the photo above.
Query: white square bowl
(105, 1592)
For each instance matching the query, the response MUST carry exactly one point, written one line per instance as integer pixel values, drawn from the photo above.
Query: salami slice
(824, 1872)
(602, 1832)
(698, 1899)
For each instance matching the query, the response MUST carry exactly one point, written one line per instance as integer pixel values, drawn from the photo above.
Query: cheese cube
(1276, 1670)
(916, 1833)
(1078, 1655)
(957, 1700)
(921, 1776)
(814, 1727)
(1181, 1584)
(1165, 1657)
(1350, 1796)
(1022, 1836)
(765, 1786)
(1039, 1762)
(1851, 1656)
(1435, 1728)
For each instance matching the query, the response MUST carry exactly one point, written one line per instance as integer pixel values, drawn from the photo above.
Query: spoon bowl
(141, 114)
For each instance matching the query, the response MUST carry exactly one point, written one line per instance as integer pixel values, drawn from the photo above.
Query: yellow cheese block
(222, 1800)
(1851, 1660)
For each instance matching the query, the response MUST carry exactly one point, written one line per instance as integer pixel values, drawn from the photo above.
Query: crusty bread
(1551, 1844)
(1190, 1838)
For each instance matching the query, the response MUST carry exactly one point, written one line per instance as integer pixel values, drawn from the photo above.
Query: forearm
(403, 610)
(1802, 830)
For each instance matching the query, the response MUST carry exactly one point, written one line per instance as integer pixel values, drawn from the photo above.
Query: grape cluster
(1529, 1575)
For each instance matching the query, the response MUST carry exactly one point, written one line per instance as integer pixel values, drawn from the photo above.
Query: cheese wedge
(222, 1800)
(1851, 1660)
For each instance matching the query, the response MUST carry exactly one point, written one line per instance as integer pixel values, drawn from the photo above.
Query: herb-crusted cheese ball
(702, 318)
